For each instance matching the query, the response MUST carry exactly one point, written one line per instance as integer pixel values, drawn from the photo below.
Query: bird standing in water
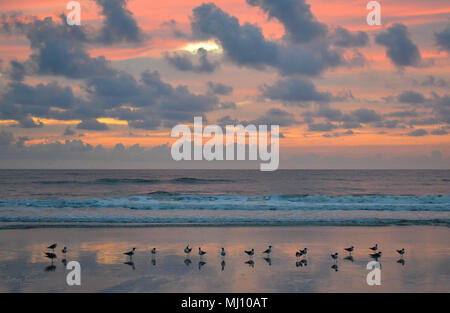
(250, 252)
(268, 251)
(223, 253)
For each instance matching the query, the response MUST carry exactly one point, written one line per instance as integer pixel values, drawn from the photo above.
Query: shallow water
(99, 251)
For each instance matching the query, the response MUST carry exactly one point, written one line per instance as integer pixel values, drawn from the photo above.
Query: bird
(153, 251)
(187, 250)
(298, 254)
(50, 255)
(376, 255)
(350, 250)
(223, 253)
(401, 252)
(374, 248)
(304, 251)
(130, 253)
(269, 250)
(53, 246)
(201, 252)
(250, 252)
(64, 250)
(335, 256)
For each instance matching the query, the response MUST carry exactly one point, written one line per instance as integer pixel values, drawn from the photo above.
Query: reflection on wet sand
(427, 257)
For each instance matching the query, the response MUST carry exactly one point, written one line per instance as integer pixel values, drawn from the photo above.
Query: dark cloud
(443, 39)
(17, 71)
(183, 62)
(276, 116)
(431, 81)
(403, 114)
(69, 131)
(6, 138)
(227, 105)
(219, 88)
(92, 124)
(322, 127)
(300, 24)
(418, 133)
(57, 48)
(439, 132)
(294, 91)
(119, 24)
(345, 38)
(399, 47)
(245, 44)
(411, 97)
(366, 116)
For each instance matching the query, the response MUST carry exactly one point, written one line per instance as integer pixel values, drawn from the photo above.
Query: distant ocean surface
(39, 198)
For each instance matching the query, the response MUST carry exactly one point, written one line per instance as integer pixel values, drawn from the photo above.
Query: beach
(99, 250)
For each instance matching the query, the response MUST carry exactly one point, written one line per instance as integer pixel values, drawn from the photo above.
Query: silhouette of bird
(187, 250)
(298, 254)
(350, 250)
(250, 252)
(52, 247)
(50, 255)
(269, 250)
(401, 252)
(64, 250)
(376, 255)
(223, 253)
(335, 256)
(130, 253)
(374, 248)
(153, 251)
(201, 252)
(304, 251)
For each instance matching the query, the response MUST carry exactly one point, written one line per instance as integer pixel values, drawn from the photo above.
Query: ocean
(97, 198)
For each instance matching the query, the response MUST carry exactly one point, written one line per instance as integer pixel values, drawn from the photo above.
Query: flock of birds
(299, 254)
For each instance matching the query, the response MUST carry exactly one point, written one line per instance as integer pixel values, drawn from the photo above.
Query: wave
(162, 200)
(106, 181)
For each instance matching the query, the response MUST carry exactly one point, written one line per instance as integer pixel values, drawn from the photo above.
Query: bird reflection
(51, 256)
(401, 261)
(304, 262)
(268, 261)
(201, 264)
(154, 262)
(187, 261)
(349, 258)
(376, 256)
(222, 264)
(130, 263)
(64, 262)
(250, 263)
(50, 268)
(335, 267)
(298, 264)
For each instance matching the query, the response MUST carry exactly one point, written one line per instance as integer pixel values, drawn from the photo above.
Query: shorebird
(201, 252)
(223, 253)
(269, 250)
(130, 253)
(64, 250)
(298, 254)
(53, 246)
(187, 250)
(50, 255)
(350, 250)
(251, 252)
(374, 248)
(153, 251)
(376, 255)
(335, 256)
(401, 252)
(304, 251)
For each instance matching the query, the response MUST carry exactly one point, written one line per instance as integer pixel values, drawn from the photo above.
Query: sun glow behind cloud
(209, 46)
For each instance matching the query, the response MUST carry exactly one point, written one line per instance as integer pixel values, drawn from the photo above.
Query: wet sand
(24, 268)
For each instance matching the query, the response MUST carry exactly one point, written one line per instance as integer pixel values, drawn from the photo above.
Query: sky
(106, 93)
